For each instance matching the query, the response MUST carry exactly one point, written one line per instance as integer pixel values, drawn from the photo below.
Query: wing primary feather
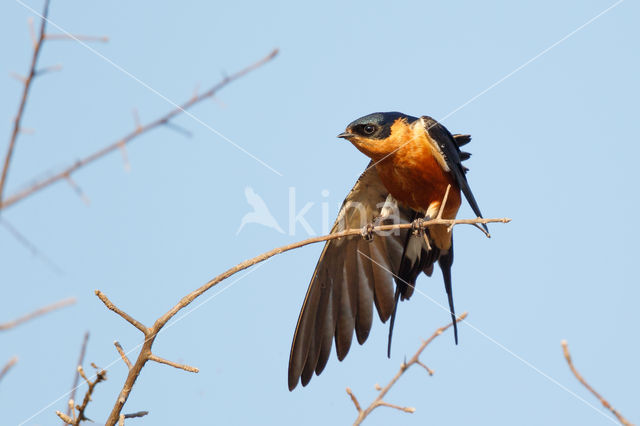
(451, 150)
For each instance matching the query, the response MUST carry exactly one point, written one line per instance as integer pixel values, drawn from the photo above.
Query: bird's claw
(367, 232)
(417, 226)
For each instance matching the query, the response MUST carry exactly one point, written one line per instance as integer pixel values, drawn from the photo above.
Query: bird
(414, 162)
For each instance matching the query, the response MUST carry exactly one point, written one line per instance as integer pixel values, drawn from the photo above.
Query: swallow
(413, 162)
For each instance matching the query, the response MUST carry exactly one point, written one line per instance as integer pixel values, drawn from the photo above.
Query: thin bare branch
(79, 192)
(37, 313)
(23, 100)
(76, 376)
(75, 37)
(29, 245)
(355, 400)
(184, 367)
(137, 324)
(13, 361)
(123, 355)
(164, 120)
(604, 402)
(152, 332)
(415, 360)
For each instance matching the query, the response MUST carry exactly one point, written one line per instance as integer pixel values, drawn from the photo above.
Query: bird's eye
(369, 129)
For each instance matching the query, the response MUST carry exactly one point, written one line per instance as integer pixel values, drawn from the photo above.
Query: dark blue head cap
(376, 125)
(382, 119)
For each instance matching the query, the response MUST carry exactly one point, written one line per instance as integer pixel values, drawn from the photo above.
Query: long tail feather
(393, 319)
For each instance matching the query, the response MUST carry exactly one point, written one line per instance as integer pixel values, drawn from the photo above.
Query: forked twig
(415, 360)
(165, 120)
(77, 411)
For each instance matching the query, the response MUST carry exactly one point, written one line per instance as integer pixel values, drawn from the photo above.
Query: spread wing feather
(351, 277)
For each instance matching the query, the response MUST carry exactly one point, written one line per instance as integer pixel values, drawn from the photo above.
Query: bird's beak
(345, 135)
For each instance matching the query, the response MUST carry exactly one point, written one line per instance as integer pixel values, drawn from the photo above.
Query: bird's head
(378, 134)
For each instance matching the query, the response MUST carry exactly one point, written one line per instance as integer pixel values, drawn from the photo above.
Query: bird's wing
(450, 149)
(449, 146)
(352, 275)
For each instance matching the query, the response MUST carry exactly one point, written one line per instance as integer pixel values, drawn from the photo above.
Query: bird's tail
(393, 319)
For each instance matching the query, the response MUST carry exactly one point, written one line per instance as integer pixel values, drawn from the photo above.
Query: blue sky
(554, 148)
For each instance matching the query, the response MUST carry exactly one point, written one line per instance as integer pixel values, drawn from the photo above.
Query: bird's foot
(417, 226)
(367, 231)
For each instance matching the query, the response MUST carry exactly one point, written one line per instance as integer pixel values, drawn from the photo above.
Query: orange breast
(414, 177)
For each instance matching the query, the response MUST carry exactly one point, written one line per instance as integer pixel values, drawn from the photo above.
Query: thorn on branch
(123, 355)
(18, 77)
(136, 121)
(27, 130)
(179, 129)
(125, 158)
(32, 31)
(45, 70)
(78, 190)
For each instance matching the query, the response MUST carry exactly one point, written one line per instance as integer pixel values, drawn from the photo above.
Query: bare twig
(604, 402)
(123, 314)
(74, 37)
(37, 313)
(184, 367)
(25, 94)
(152, 332)
(162, 121)
(29, 245)
(131, 416)
(76, 376)
(13, 361)
(415, 360)
(76, 419)
(122, 354)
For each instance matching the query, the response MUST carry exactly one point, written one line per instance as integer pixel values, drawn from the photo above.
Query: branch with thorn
(150, 333)
(604, 402)
(38, 41)
(38, 312)
(119, 144)
(415, 360)
(78, 411)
